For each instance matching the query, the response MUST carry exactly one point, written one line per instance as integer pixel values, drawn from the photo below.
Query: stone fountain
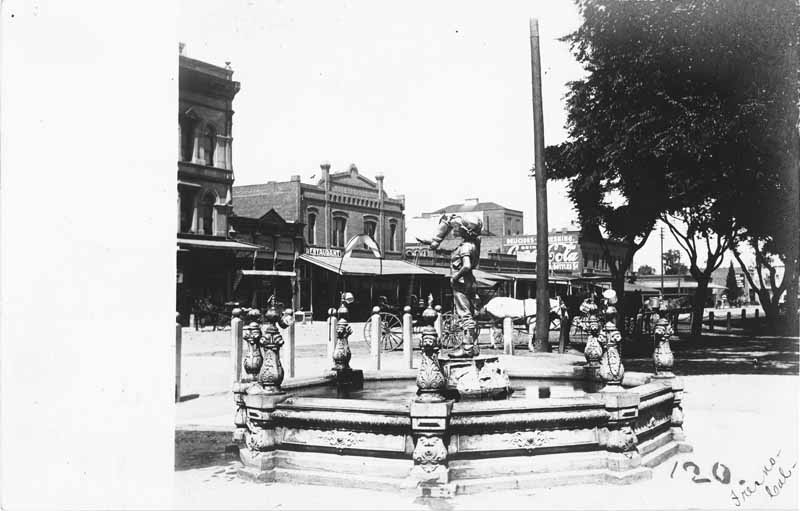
(460, 423)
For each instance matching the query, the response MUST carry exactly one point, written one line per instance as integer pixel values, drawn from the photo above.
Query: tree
(646, 270)
(673, 264)
(732, 285)
(685, 116)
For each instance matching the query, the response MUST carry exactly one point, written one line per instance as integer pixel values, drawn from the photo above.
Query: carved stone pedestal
(428, 424)
(482, 377)
(619, 437)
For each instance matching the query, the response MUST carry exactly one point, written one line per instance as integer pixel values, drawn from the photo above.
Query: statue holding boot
(463, 260)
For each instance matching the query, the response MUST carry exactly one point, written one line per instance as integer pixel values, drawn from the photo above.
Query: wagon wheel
(451, 333)
(391, 332)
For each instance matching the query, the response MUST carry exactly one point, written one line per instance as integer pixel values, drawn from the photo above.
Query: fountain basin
(558, 427)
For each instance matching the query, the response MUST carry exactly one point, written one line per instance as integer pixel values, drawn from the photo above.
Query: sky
(436, 96)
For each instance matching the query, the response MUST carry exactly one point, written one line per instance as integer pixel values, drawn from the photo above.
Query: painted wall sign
(323, 252)
(564, 252)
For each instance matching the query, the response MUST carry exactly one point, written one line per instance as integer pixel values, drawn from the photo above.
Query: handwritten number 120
(724, 477)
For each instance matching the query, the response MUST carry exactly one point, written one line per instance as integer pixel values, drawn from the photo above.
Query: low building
(272, 269)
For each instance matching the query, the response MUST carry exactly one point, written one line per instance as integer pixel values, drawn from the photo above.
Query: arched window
(393, 236)
(208, 142)
(339, 229)
(370, 227)
(187, 138)
(205, 214)
(311, 236)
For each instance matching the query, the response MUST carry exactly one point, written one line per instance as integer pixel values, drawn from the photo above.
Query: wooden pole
(508, 336)
(177, 358)
(407, 338)
(236, 344)
(375, 334)
(331, 332)
(542, 342)
(290, 343)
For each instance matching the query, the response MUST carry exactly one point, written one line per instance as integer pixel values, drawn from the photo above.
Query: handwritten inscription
(773, 478)
(772, 481)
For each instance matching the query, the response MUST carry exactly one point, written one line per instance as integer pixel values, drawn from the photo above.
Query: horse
(502, 307)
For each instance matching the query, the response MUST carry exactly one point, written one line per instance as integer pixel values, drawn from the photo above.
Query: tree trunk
(700, 295)
(770, 306)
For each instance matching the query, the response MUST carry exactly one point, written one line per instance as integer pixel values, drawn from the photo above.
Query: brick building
(206, 255)
(337, 207)
(498, 221)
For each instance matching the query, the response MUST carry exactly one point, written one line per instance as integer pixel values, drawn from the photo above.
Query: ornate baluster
(271, 375)
(251, 333)
(662, 355)
(591, 323)
(430, 379)
(611, 368)
(341, 351)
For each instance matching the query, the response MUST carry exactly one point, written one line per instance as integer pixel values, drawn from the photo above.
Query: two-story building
(333, 210)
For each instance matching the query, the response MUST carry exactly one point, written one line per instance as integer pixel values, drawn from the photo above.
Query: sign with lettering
(323, 252)
(563, 250)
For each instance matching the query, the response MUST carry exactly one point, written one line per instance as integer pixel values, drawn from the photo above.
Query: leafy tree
(680, 119)
(732, 286)
(646, 270)
(673, 264)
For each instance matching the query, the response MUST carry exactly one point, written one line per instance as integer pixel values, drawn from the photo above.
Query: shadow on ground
(198, 449)
(719, 354)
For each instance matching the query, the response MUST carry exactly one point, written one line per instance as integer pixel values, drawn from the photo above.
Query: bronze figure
(463, 260)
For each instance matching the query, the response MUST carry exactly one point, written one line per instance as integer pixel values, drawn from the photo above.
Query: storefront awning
(483, 277)
(267, 273)
(684, 284)
(217, 244)
(532, 277)
(365, 266)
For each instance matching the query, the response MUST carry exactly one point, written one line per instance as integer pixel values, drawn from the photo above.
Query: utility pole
(662, 262)
(542, 332)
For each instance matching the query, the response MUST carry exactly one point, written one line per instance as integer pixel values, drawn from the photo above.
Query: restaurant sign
(323, 252)
(564, 252)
